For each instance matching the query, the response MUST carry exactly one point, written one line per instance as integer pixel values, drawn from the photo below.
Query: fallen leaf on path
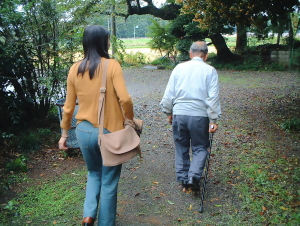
(172, 203)
(191, 207)
(273, 178)
(283, 208)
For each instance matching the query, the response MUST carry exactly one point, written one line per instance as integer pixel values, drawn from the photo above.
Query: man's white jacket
(193, 90)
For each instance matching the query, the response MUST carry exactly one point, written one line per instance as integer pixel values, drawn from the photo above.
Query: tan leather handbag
(120, 146)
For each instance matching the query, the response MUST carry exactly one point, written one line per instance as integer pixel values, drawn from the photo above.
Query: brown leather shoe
(88, 221)
(193, 183)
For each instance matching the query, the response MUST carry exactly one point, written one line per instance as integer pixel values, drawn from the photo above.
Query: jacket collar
(198, 58)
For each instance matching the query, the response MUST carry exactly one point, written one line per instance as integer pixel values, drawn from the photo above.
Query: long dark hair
(95, 46)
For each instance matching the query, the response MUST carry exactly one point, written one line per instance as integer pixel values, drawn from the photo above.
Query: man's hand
(170, 118)
(212, 127)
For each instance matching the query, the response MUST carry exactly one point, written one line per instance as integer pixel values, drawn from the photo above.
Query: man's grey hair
(199, 47)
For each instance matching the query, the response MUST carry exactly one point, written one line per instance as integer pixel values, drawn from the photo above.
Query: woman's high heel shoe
(88, 221)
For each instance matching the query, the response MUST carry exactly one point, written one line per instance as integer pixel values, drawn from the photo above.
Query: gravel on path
(148, 191)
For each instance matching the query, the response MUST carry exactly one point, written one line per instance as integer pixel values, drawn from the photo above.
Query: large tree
(170, 11)
(215, 15)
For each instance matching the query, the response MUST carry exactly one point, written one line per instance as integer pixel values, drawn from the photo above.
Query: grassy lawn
(136, 43)
(231, 41)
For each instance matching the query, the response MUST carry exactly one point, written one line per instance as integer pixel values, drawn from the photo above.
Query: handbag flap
(121, 141)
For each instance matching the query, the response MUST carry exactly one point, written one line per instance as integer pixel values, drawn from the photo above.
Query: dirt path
(148, 193)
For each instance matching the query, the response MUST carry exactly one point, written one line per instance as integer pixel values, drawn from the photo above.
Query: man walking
(191, 102)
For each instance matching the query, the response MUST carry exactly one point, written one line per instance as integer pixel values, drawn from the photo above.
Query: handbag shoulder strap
(102, 98)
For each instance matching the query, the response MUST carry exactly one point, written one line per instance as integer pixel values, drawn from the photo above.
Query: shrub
(250, 62)
(17, 165)
(296, 44)
(29, 142)
(161, 61)
(291, 125)
(134, 59)
(119, 46)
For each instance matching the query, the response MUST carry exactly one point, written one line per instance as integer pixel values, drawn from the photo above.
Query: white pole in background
(134, 27)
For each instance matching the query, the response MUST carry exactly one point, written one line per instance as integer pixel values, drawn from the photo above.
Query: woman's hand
(62, 143)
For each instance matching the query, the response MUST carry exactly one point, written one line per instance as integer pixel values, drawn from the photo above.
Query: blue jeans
(102, 181)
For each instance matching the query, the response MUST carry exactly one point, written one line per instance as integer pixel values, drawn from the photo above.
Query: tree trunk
(241, 37)
(291, 36)
(223, 52)
(278, 38)
(113, 27)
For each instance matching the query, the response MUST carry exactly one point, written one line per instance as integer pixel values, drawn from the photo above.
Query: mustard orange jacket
(118, 105)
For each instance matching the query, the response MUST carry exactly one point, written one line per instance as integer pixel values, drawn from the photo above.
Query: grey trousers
(190, 131)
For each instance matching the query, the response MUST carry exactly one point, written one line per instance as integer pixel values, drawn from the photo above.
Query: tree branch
(148, 1)
(167, 12)
(109, 13)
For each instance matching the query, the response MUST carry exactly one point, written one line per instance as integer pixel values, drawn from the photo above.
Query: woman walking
(83, 84)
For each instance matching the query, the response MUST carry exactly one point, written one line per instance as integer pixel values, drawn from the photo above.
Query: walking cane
(206, 167)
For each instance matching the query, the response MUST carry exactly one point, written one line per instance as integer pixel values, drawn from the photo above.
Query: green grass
(252, 41)
(243, 79)
(136, 43)
(265, 183)
(231, 42)
(265, 177)
(269, 193)
(50, 202)
(291, 125)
